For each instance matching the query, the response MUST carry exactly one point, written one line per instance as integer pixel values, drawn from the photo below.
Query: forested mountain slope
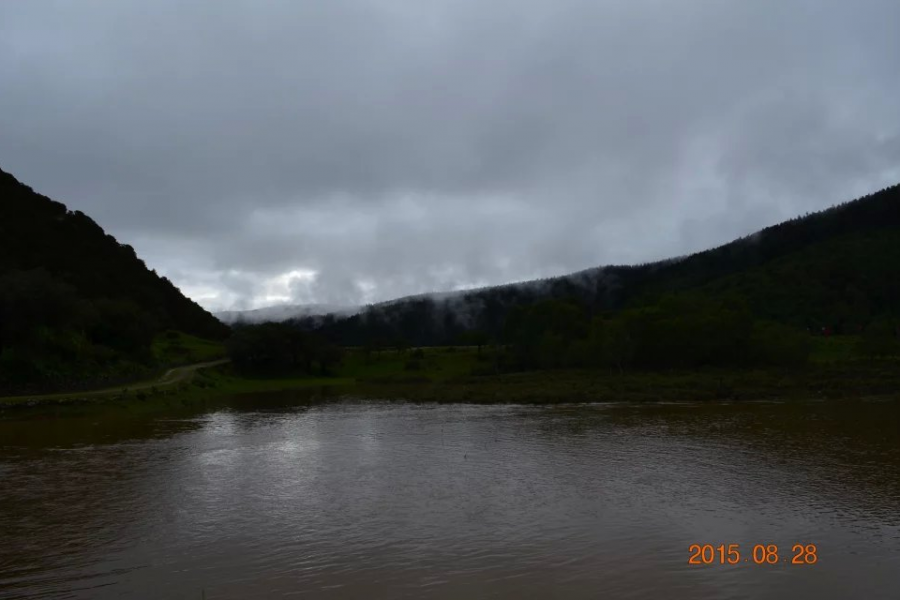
(837, 268)
(73, 301)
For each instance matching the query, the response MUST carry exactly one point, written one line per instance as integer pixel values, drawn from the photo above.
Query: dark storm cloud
(347, 151)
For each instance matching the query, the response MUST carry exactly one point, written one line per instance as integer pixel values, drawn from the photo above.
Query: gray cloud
(348, 151)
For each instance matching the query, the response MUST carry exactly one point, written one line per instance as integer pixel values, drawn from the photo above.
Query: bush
(280, 347)
(776, 344)
(483, 371)
(879, 339)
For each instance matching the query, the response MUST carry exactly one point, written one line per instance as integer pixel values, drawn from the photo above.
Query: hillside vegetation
(75, 304)
(756, 302)
(77, 307)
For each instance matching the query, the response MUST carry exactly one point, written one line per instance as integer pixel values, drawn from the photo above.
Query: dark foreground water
(272, 497)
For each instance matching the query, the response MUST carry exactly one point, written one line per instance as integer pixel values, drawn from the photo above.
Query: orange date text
(760, 554)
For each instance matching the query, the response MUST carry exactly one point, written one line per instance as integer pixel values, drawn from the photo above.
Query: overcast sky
(346, 151)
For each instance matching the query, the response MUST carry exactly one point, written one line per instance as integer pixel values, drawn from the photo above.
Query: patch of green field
(178, 348)
(202, 384)
(220, 382)
(225, 381)
(420, 364)
(462, 374)
(834, 348)
(850, 381)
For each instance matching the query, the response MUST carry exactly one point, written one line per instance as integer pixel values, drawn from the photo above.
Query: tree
(267, 347)
(474, 337)
(31, 302)
(123, 326)
(776, 344)
(617, 345)
(879, 339)
(281, 348)
(329, 356)
(540, 335)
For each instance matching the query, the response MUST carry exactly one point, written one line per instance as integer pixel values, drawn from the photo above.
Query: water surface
(277, 497)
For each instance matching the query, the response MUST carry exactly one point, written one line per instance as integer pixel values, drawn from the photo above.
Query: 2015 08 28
(760, 554)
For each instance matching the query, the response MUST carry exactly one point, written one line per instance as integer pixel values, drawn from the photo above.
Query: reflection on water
(276, 496)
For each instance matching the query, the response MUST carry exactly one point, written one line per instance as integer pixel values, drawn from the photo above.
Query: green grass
(834, 348)
(169, 349)
(418, 365)
(378, 368)
(449, 375)
(225, 381)
(203, 384)
(177, 348)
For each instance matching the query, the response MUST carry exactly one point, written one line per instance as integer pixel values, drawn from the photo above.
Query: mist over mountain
(350, 152)
(284, 312)
(75, 302)
(837, 268)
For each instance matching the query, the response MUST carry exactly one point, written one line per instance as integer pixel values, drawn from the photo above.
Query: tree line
(837, 270)
(281, 348)
(686, 330)
(681, 331)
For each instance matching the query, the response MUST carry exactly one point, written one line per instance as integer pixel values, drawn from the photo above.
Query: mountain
(838, 268)
(74, 302)
(284, 312)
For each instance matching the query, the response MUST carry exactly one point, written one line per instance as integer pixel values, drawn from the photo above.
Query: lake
(283, 496)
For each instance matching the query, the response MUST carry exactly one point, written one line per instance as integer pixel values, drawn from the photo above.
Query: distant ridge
(805, 272)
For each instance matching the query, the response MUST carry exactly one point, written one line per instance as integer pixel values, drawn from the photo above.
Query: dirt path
(180, 373)
(170, 377)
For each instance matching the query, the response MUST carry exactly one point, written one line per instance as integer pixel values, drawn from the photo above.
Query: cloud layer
(351, 151)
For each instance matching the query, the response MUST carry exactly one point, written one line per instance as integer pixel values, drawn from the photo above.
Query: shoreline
(215, 381)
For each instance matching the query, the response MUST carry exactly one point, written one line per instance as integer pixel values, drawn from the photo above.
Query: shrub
(879, 339)
(776, 344)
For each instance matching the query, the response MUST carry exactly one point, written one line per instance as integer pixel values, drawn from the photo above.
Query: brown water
(274, 497)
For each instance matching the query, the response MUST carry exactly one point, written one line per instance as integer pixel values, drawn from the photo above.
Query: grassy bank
(203, 384)
(849, 381)
(168, 350)
(174, 348)
(462, 374)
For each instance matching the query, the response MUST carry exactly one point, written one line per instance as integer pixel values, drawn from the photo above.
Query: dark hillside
(837, 268)
(74, 301)
(39, 233)
(873, 213)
